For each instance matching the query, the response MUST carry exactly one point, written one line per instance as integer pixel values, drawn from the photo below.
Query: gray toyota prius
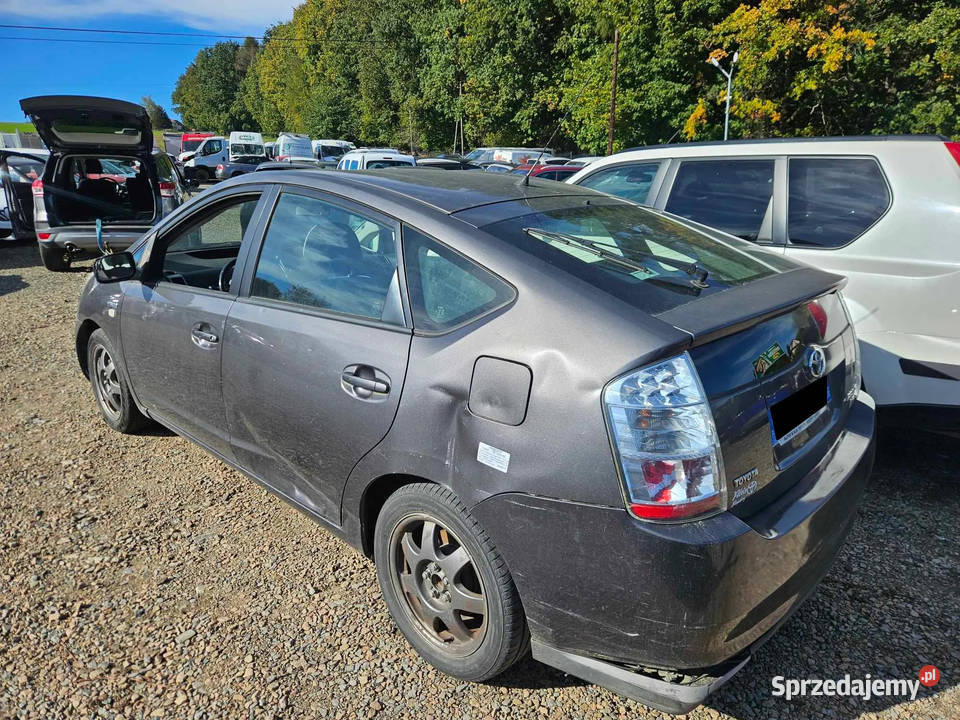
(557, 421)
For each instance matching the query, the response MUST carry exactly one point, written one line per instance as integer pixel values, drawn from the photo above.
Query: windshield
(190, 145)
(635, 254)
(238, 149)
(378, 164)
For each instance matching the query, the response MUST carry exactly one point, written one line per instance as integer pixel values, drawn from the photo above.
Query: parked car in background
(209, 153)
(87, 137)
(296, 165)
(239, 166)
(331, 150)
(884, 211)
(291, 146)
(270, 150)
(546, 172)
(584, 160)
(374, 159)
(509, 155)
(18, 169)
(497, 167)
(541, 386)
(447, 163)
(189, 143)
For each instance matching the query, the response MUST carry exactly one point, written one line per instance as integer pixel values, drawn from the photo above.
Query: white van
(291, 146)
(209, 153)
(884, 211)
(244, 144)
(374, 159)
(331, 150)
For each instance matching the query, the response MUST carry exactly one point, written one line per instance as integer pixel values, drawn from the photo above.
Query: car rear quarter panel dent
(560, 449)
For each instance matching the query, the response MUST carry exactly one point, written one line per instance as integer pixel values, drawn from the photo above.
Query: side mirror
(114, 267)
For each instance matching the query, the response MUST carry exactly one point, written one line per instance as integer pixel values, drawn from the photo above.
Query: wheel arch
(374, 496)
(86, 329)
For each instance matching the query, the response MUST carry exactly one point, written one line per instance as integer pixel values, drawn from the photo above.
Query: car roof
(788, 140)
(448, 192)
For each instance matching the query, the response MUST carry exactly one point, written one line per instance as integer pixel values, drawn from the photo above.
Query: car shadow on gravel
(11, 284)
(16, 254)
(528, 674)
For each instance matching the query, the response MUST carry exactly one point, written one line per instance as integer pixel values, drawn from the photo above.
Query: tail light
(954, 149)
(851, 351)
(819, 316)
(219, 168)
(37, 188)
(666, 443)
(166, 189)
(281, 158)
(43, 236)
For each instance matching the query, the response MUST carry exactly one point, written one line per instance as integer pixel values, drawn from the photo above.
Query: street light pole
(729, 77)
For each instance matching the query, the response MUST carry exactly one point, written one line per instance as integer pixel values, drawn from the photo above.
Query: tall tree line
(383, 71)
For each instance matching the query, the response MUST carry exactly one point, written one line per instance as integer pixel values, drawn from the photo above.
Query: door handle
(369, 384)
(203, 338)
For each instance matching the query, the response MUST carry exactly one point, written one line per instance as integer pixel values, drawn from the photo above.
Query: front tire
(54, 258)
(446, 585)
(201, 174)
(110, 388)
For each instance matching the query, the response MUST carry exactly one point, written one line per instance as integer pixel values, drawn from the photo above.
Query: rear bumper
(84, 238)
(598, 584)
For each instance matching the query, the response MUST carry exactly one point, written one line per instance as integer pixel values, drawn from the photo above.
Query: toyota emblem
(816, 361)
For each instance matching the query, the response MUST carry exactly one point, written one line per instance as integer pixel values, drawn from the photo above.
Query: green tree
(158, 116)
(208, 95)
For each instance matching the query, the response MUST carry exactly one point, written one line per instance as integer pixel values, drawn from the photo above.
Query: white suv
(884, 211)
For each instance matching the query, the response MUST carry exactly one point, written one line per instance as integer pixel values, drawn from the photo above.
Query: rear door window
(322, 255)
(632, 182)
(733, 195)
(834, 200)
(446, 289)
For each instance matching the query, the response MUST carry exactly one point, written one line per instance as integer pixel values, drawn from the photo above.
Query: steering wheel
(226, 276)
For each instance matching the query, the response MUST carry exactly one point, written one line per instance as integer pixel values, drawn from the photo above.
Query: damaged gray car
(558, 422)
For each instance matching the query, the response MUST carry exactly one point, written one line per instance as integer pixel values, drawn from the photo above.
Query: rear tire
(110, 389)
(54, 258)
(446, 586)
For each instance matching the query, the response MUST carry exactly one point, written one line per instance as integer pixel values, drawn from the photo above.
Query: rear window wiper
(698, 273)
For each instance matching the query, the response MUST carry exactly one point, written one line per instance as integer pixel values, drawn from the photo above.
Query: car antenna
(525, 182)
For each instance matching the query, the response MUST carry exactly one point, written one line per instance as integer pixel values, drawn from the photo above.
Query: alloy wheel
(438, 581)
(107, 382)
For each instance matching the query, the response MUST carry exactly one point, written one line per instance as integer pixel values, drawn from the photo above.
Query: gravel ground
(140, 577)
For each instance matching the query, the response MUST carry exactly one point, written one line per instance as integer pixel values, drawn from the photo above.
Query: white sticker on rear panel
(494, 457)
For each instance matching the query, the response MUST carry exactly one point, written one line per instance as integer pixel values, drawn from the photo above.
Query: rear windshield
(380, 164)
(635, 254)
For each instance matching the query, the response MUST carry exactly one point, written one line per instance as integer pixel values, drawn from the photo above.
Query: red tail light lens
(37, 188)
(281, 158)
(220, 168)
(666, 443)
(43, 236)
(166, 189)
(819, 316)
(954, 149)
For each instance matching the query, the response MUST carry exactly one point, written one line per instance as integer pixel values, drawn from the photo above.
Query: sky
(40, 62)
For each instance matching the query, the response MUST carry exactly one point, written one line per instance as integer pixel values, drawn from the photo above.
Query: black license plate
(793, 411)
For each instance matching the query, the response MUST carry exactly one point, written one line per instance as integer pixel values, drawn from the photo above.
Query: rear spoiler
(730, 311)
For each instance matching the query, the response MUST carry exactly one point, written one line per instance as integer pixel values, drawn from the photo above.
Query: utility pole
(729, 77)
(613, 90)
(410, 117)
